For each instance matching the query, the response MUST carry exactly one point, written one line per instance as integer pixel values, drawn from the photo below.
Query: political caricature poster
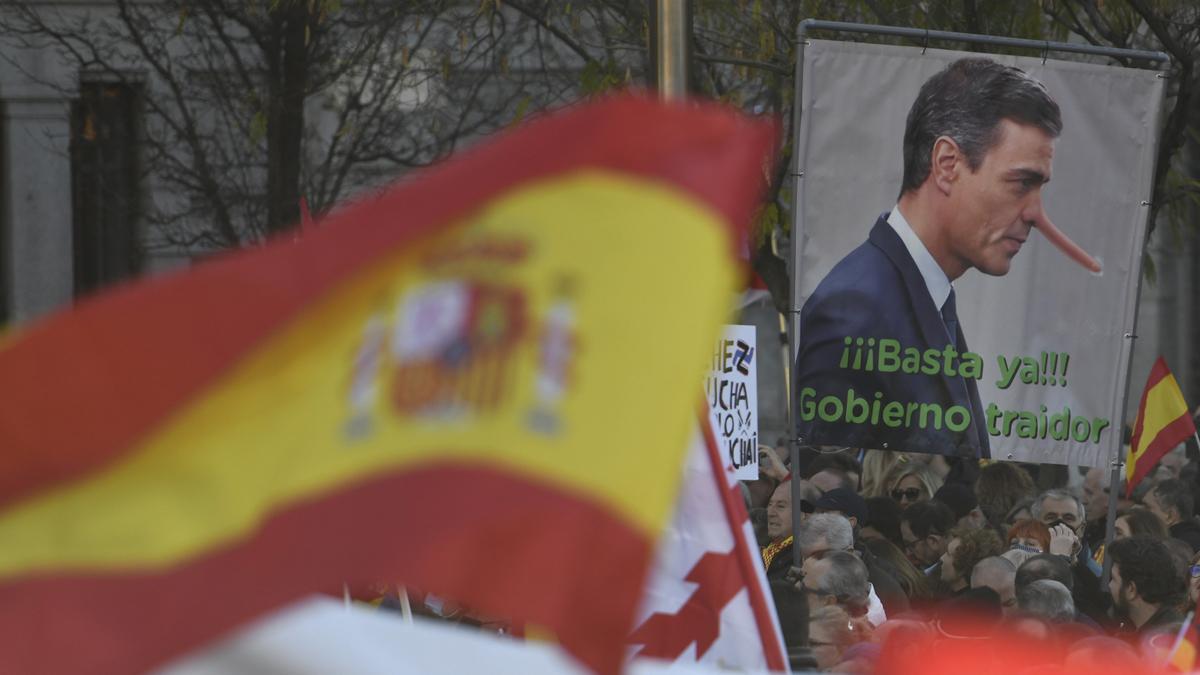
(979, 303)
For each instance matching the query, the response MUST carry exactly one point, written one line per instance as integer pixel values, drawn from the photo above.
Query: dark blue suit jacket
(877, 291)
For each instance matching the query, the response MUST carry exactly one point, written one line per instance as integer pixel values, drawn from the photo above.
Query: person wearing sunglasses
(912, 482)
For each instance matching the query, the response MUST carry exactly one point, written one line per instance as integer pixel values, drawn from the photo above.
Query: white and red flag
(706, 598)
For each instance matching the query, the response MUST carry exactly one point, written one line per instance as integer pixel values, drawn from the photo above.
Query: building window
(105, 195)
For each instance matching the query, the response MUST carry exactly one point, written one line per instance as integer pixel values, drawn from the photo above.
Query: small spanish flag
(1187, 646)
(1163, 422)
(464, 385)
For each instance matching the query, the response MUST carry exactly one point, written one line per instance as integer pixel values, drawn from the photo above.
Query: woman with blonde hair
(912, 482)
(876, 465)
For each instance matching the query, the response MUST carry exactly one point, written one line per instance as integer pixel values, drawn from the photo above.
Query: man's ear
(1130, 585)
(947, 162)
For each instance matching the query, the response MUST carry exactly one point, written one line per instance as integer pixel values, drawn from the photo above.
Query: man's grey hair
(846, 580)
(834, 528)
(966, 102)
(1047, 599)
(993, 570)
(1057, 493)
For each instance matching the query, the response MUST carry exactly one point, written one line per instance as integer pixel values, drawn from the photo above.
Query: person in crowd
(1047, 599)
(791, 607)
(829, 635)
(1140, 520)
(1181, 555)
(1022, 510)
(824, 534)
(1057, 568)
(974, 613)
(877, 464)
(1170, 466)
(925, 527)
(1095, 503)
(1017, 557)
(912, 581)
(966, 548)
(961, 500)
(839, 578)
(1062, 512)
(772, 471)
(1144, 585)
(1029, 535)
(999, 487)
(848, 504)
(1000, 575)
(883, 521)
(1044, 566)
(777, 555)
(912, 482)
(1171, 500)
(832, 478)
(829, 470)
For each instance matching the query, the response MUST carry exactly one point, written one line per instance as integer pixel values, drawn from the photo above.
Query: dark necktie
(950, 318)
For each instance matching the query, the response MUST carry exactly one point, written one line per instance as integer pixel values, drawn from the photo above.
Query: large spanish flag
(480, 383)
(1163, 422)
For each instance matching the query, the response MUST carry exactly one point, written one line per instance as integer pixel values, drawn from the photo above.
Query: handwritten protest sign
(732, 392)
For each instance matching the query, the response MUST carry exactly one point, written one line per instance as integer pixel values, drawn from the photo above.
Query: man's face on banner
(994, 208)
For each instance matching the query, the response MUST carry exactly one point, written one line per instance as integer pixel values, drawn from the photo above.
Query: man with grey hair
(826, 534)
(978, 147)
(1063, 513)
(839, 578)
(999, 575)
(1047, 599)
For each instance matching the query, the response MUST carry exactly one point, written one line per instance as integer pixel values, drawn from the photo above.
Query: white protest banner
(1023, 358)
(731, 389)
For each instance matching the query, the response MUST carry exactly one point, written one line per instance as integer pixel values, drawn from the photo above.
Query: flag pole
(1110, 525)
(1187, 623)
(672, 30)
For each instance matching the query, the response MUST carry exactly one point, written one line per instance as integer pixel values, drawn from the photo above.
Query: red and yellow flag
(465, 385)
(1163, 422)
(1182, 658)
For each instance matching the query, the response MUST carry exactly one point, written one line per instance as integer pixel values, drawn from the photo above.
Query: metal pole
(794, 304)
(1110, 527)
(672, 32)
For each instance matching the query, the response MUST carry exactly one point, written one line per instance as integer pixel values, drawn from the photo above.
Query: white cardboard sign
(731, 390)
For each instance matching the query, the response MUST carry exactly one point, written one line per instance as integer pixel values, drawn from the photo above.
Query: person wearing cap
(881, 574)
(961, 500)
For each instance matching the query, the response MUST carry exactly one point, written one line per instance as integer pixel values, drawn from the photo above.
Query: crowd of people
(898, 554)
